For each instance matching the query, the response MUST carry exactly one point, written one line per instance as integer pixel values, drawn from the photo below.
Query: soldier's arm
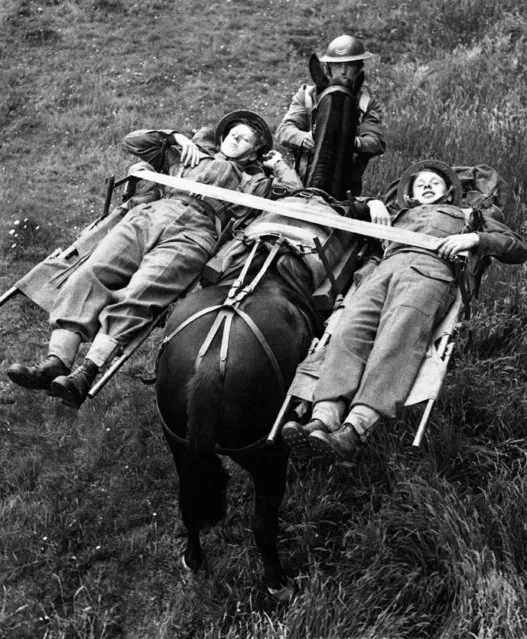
(294, 126)
(152, 146)
(494, 239)
(370, 134)
(283, 177)
(498, 240)
(149, 145)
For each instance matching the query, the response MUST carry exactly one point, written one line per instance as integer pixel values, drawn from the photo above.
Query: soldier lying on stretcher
(384, 329)
(156, 252)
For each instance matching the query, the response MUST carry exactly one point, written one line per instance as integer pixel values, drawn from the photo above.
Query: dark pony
(219, 391)
(335, 118)
(227, 359)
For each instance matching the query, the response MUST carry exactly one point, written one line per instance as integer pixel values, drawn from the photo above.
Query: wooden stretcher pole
(279, 419)
(8, 295)
(444, 350)
(122, 359)
(292, 210)
(423, 423)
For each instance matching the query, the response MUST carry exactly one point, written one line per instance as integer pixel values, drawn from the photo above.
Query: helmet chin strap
(243, 156)
(440, 200)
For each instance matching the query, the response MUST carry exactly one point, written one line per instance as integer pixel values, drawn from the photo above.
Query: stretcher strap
(294, 210)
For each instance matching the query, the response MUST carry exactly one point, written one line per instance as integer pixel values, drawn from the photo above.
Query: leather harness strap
(257, 445)
(227, 311)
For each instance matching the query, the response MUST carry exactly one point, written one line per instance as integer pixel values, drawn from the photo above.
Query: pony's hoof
(186, 567)
(284, 594)
(191, 566)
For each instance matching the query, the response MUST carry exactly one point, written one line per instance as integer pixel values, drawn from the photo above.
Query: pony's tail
(203, 480)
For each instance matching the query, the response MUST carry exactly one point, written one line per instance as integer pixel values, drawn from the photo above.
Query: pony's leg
(268, 470)
(193, 556)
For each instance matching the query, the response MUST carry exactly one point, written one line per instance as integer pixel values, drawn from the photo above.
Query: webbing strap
(296, 210)
(210, 336)
(188, 321)
(257, 445)
(249, 288)
(226, 314)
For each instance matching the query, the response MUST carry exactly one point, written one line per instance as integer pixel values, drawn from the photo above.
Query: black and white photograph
(263, 319)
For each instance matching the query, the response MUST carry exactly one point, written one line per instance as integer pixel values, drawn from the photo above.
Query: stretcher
(45, 279)
(482, 188)
(427, 385)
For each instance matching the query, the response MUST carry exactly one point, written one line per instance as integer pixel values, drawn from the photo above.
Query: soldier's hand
(451, 246)
(308, 142)
(379, 213)
(189, 150)
(271, 159)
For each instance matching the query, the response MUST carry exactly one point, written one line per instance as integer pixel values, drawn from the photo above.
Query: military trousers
(145, 263)
(383, 333)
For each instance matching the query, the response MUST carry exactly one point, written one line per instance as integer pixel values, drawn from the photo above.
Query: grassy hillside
(407, 544)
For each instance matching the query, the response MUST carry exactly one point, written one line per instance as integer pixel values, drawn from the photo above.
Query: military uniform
(385, 326)
(299, 119)
(150, 258)
(157, 251)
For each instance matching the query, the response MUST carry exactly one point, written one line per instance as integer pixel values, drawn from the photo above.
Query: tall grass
(416, 544)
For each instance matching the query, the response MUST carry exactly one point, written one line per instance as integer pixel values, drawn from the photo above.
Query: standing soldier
(343, 64)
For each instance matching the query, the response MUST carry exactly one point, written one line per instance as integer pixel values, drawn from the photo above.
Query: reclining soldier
(156, 252)
(344, 60)
(384, 329)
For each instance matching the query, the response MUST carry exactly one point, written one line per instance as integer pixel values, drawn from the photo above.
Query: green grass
(407, 544)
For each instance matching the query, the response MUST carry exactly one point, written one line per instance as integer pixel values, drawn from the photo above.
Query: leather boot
(296, 436)
(342, 445)
(74, 388)
(38, 376)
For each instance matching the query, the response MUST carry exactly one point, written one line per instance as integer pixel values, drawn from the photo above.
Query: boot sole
(26, 381)
(57, 389)
(297, 441)
(324, 449)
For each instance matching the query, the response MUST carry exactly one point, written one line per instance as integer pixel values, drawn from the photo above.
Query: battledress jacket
(299, 119)
(383, 332)
(158, 148)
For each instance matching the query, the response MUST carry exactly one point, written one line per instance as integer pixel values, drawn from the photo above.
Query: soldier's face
(344, 71)
(428, 187)
(239, 142)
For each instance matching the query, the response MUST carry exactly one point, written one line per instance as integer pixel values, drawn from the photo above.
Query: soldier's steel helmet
(251, 119)
(454, 186)
(345, 48)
